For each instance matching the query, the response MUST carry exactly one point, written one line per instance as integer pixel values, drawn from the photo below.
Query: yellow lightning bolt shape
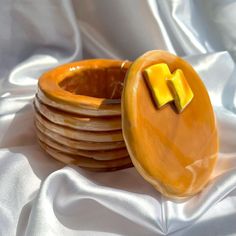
(166, 87)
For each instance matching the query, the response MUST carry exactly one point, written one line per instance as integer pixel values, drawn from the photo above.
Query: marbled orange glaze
(102, 155)
(102, 136)
(84, 161)
(174, 152)
(89, 87)
(76, 121)
(78, 144)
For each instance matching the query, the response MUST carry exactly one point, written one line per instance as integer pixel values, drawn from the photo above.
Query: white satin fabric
(38, 195)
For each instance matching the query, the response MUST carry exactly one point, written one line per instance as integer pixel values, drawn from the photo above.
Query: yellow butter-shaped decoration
(181, 90)
(156, 76)
(166, 87)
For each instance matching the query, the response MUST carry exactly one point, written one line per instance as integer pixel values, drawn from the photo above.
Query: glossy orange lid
(175, 152)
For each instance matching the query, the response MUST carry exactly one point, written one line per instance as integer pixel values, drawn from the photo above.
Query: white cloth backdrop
(40, 196)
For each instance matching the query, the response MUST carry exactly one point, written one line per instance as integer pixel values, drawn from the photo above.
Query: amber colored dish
(78, 114)
(174, 152)
(90, 87)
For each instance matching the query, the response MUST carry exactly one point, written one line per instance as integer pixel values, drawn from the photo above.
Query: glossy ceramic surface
(78, 121)
(106, 136)
(78, 144)
(84, 161)
(91, 87)
(97, 155)
(174, 152)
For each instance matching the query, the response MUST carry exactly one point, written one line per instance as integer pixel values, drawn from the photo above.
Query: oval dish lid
(168, 124)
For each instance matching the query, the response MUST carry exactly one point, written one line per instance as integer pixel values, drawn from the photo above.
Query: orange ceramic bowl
(90, 87)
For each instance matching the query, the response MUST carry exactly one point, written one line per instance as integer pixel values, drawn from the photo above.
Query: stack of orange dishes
(78, 114)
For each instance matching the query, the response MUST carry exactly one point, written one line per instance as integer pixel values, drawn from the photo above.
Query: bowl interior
(96, 82)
